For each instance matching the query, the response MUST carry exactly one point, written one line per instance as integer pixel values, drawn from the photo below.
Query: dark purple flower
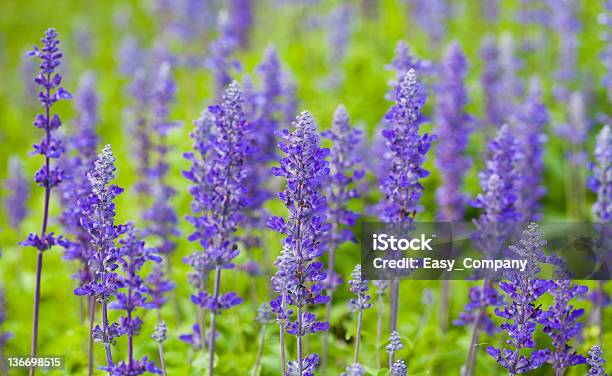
(596, 362)
(299, 278)
(194, 338)
(16, 202)
(530, 123)
(522, 313)
(601, 180)
(306, 367)
(455, 124)
(401, 187)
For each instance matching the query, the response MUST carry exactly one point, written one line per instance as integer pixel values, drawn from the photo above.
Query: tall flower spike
(220, 59)
(490, 81)
(500, 182)
(220, 199)
(395, 344)
(565, 18)
(305, 169)
(561, 324)
(399, 368)
(455, 124)
(530, 123)
(403, 61)
(241, 20)
(432, 18)
(512, 87)
(522, 313)
(596, 362)
(407, 149)
(354, 370)
(132, 295)
(16, 202)
(601, 180)
(50, 148)
(98, 220)
(358, 304)
(345, 174)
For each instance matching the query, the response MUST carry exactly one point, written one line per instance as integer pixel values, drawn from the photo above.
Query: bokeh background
(92, 33)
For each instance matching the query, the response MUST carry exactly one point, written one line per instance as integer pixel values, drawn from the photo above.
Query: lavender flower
(490, 81)
(522, 313)
(596, 361)
(220, 198)
(480, 299)
(132, 295)
(16, 202)
(560, 323)
(402, 63)
(99, 222)
(51, 148)
(305, 169)
(531, 120)
(454, 123)
(601, 182)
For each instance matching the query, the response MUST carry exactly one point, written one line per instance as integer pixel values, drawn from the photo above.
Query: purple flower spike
(601, 180)
(490, 81)
(530, 123)
(220, 60)
(354, 369)
(596, 362)
(299, 277)
(16, 202)
(220, 198)
(402, 187)
(48, 176)
(241, 20)
(399, 368)
(402, 63)
(522, 313)
(455, 124)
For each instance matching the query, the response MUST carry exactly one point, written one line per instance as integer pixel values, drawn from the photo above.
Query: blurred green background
(304, 51)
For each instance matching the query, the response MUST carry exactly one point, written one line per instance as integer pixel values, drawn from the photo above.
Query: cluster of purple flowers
(298, 280)
(454, 123)
(601, 181)
(403, 61)
(220, 198)
(522, 313)
(16, 202)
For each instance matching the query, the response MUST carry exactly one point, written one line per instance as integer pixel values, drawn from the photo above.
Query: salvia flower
(512, 87)
(403, 61)
(480, 299)
(596, 362)
(432, 18)
(241, 20)
(305, 169)
(131, 296)
(601, 180)
(395, 344)
(16, 202)
(530, 122)
(220, 198)
(399, 368)
(490, 81)
(360, 288)
(306, 367)
(561, 324)
(345, 172)
(402, 187)
(98, 220)
(565, 20)
(48, 176)
(455, 124)
(220, 60)
(522, 313)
